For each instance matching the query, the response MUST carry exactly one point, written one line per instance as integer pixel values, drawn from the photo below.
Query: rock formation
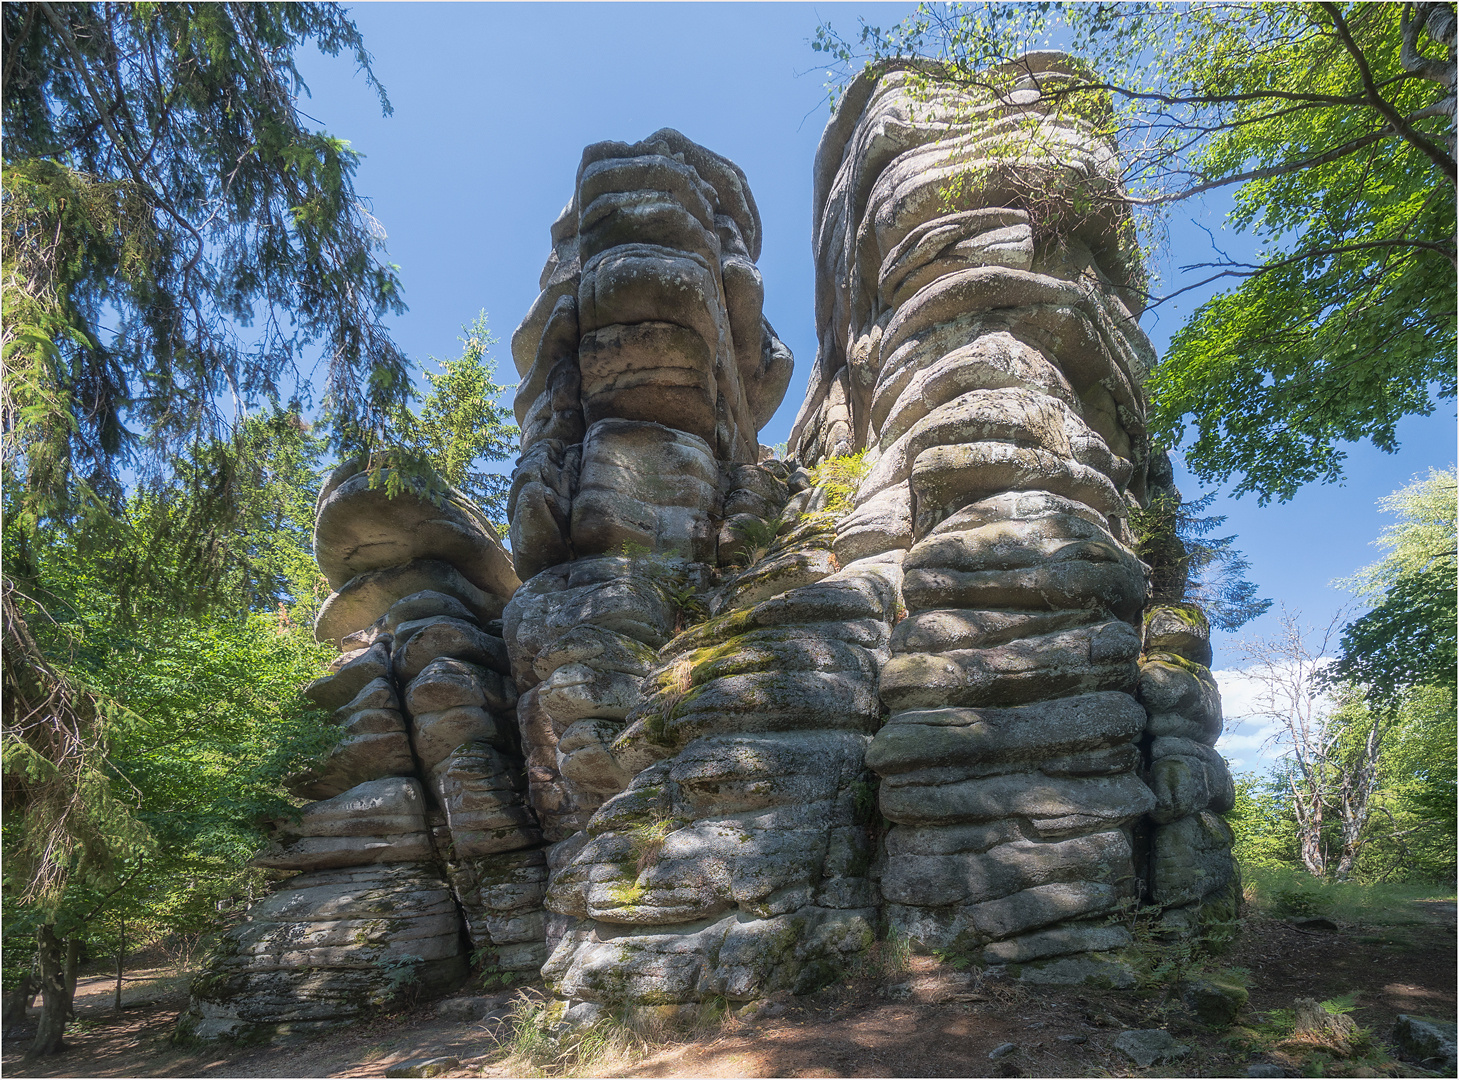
(420, 841)
(652, 768)
(976, 311)
(700, 779)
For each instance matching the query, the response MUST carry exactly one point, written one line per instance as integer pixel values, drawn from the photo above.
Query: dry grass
(536, 1041)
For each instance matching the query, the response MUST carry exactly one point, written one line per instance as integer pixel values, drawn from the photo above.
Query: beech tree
(1331, 740)
(1334, 125)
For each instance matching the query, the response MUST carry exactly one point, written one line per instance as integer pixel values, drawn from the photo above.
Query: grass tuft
(536, 1042)
(884, 961)
(648, 839)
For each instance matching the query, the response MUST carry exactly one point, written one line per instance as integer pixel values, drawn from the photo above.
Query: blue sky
(494, 103)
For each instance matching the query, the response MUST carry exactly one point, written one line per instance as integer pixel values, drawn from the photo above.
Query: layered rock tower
(420, 849)
(699, 781)
(976, 308)
(740, 716)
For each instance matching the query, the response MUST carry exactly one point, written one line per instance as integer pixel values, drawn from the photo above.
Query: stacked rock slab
(420, 839)
(735, 863)
(673, 734)
(1189, 869)
(700, 782)
(646, 367)
(976, 311)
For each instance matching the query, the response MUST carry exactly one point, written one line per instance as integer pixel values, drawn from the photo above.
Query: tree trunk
(1312, 854)
(116, 1004)
(1359, 785)
(54, 1002)
(1307, 803)
(17, 1004)
(73, 958)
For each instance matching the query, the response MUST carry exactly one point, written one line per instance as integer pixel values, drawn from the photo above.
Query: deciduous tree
(1334, 124)
(1407, 639)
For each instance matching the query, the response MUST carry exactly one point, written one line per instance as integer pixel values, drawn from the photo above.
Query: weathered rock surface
(994, 384)
(374, 822)
(419, 1067)
(1426, 1041)
(1213, 1001)
(364, 598)
(650, 767)
(501, 895)
(425, 786)
(1191, 869)
(1150, 1046)
(359, 528)
(704, 783)
(328, 947)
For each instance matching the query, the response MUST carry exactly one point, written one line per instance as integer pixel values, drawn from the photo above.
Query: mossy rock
(1214, 1002)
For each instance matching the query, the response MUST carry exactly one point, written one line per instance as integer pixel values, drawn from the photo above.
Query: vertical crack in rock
(421, 815)
(651, 768)
(703, 781)
(976, 310)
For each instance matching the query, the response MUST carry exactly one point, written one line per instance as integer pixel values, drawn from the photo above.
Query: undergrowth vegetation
(1287, 892)
(539, 1039)
(840, 477)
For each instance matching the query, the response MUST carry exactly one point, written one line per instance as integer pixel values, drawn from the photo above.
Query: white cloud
(1245, 743)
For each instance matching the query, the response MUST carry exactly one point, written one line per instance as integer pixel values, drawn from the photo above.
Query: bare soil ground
(929, 1020)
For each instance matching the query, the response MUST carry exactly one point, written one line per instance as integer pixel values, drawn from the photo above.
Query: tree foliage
(1188, 565)
(162, 193)
(207, 721)
(144, 742)
(1367, 780)
(461, 424)
(1335, 125)
(78, 635)
(1410, 829)
(1416, 821)
(181, 243)
(1408, 638)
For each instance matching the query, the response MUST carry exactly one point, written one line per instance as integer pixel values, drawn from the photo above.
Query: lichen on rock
(719, 720)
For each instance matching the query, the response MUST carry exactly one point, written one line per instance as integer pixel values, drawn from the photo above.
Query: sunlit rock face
(976, 309)
(695, 704)
(646, 360)
(420, 839)
(644, 753)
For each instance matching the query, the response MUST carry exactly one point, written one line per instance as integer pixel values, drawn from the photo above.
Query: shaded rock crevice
(720, 720)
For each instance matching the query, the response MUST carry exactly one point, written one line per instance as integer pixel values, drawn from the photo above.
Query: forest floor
(921, 1017)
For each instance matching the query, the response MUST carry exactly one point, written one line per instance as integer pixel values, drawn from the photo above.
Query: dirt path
(936, 1022)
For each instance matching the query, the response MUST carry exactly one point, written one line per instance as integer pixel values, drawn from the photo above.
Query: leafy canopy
(1335, 123)
(180, 242)
(1407, 640)
(82, 641)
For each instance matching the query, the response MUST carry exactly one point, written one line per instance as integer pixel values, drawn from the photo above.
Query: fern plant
(758, 535)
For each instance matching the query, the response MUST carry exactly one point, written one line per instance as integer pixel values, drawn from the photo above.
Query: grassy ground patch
(1288, 892)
